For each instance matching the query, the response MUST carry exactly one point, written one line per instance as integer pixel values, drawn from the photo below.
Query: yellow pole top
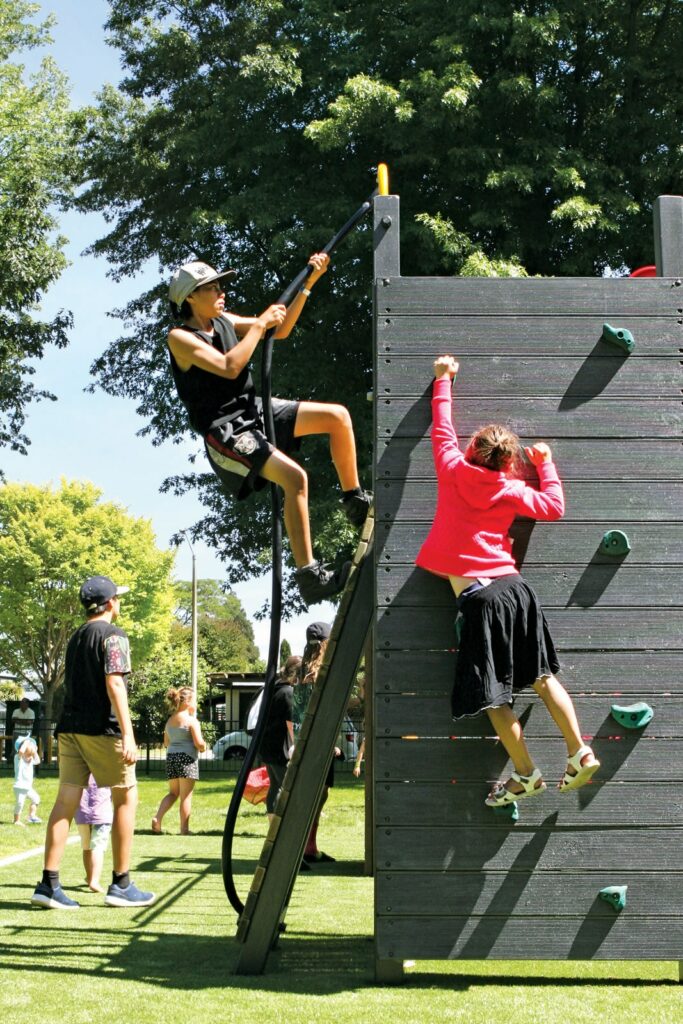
(383, 179)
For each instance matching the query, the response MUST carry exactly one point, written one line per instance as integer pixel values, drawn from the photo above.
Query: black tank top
(211, 400)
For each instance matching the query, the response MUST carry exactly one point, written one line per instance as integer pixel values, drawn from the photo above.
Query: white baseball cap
(191, 276)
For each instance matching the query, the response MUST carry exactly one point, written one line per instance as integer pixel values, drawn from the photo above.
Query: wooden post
(389, 972)
(369, 774)
(668, 229)
(386, 237)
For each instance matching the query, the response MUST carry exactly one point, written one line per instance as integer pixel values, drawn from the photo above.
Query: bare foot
(95, 887)
(156, 826)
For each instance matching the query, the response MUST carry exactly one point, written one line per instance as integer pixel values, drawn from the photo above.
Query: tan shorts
(80, 755)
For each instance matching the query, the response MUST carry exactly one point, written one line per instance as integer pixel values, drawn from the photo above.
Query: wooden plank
(609, 298)
(445, 850)
(594, 937)
(403, 457)
(538, 417)
(300, 799)
(523, 894)
(461, 805)
(624, 758)
(405, 714)
(516, 336)
(574, 628)
(562, 543)
(558, 586)
(608, 372)
(586, 500)
(636, 675)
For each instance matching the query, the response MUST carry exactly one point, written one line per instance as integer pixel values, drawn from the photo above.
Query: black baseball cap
(317, 632)
(97, 590)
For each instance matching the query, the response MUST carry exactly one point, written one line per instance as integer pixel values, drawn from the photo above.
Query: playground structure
(592, 366)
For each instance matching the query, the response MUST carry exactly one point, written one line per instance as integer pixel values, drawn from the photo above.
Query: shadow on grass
(464, 982)
(301, 965)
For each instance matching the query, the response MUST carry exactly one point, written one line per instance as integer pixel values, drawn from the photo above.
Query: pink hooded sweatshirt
(476, 506)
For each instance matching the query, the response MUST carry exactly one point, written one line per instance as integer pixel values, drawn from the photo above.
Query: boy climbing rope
(210, 356)
(504, 643)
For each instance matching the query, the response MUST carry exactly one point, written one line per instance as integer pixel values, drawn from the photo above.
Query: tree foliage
(50, 541)
(225, 644)
(36, 171)
(225, 636)
(523, 138)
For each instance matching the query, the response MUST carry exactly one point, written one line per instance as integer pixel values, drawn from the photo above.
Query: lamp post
(193, 669)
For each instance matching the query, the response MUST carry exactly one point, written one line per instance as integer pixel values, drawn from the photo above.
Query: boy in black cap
(210, 357)
(95, 736)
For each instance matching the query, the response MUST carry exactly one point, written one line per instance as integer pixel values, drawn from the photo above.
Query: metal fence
(227, 744)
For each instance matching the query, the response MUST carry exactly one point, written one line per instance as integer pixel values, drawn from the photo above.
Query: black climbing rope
(276, 591)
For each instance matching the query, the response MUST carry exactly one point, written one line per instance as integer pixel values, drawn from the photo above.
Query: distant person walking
(95, 736)
(278, 735)
(25, 760)
(184, 743)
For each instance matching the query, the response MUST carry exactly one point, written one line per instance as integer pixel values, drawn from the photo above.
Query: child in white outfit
(25, 759)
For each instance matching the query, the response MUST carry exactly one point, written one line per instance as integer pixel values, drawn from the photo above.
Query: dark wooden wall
(454, 879)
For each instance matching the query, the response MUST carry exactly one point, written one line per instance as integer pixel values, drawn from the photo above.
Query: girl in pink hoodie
(504, 644)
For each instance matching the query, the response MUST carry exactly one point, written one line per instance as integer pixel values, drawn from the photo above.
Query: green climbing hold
(633, 716)
(615, 895)
(615, 543)
(508, 811)
(618, 336)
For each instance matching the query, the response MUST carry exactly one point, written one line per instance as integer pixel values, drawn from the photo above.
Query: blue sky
(93, 437)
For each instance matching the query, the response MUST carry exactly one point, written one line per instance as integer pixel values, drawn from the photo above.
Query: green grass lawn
(173, 962)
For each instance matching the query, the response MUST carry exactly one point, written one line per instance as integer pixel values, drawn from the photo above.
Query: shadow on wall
(600, 366)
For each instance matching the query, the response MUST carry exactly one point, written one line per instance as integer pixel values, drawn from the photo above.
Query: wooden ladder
(276, 872)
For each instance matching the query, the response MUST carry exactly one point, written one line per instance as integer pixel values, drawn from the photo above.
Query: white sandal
(501, 796)
(583, 772)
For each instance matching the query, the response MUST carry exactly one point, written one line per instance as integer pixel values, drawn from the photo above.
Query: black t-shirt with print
(275, 740)
(97, 648)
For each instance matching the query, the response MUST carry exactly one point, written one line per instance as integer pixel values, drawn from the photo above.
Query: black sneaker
(357, 507)
(316, 583)
(52, 899)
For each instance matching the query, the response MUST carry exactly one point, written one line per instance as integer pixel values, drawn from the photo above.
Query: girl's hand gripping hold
(538, 453)
(445, 366)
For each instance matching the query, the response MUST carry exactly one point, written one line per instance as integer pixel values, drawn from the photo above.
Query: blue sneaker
(52, 899)
(128, 897)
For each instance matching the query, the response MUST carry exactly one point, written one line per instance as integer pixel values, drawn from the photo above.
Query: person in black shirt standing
(210, 357)
(95, 736)
(278, 734)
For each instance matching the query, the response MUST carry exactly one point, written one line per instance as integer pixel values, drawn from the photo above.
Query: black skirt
(504, 645)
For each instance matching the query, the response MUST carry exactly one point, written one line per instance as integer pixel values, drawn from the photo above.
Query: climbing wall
(455, 879)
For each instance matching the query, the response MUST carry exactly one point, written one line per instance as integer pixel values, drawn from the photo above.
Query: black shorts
(181, 766)
(504, 645)
(237, 459)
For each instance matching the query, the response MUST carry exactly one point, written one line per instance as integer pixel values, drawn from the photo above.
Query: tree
(50, 541)
(526, 138)
(35, 174)
(225, 644)
(225, 640)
